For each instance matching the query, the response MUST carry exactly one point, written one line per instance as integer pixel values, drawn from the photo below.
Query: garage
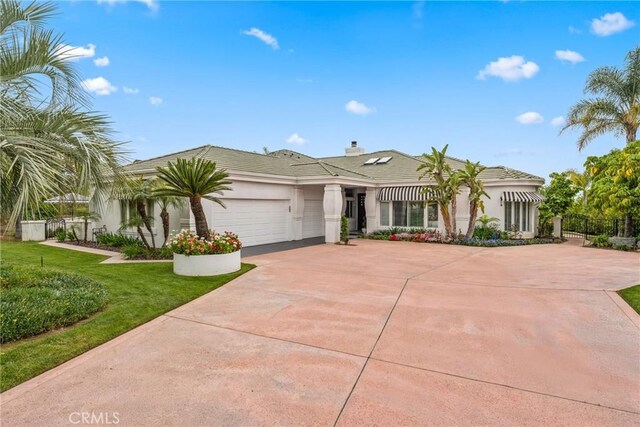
(313, 219)
(256, 222)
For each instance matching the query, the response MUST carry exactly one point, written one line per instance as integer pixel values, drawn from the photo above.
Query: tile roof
(401, 167)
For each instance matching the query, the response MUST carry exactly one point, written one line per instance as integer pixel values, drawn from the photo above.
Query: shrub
(40, 300)
(61, 235)
(116, 240)
(188, 243)
(132, 250)
(601, 241)
(344, 230)
(622, 247)
(487, 232)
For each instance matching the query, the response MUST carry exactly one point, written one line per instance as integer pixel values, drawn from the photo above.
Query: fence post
(557, 226)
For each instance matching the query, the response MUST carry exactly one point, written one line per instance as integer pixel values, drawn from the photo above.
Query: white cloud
(101, 62)
(569, 55)
(75, 53)
(294, 138)
(99, 86)
(265, 37)
(574, 30)
(151, 4)
(130, 90)
(610, 23)
(155, 101)
(510, 68)
(530, 118)
(359, 108)
(557, 121)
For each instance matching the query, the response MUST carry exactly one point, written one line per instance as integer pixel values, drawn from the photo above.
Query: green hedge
(34, 300)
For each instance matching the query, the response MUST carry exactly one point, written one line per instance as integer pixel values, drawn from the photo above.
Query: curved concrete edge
(114, 257)
(626, 308)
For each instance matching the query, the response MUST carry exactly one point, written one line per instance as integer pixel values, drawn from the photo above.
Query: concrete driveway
(379, 333)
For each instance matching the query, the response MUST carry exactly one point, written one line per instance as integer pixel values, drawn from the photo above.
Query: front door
(362, 214)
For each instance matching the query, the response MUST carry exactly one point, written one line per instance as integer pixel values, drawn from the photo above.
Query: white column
(332, 204)
(557, 226)
(370, 205)
(297, 212)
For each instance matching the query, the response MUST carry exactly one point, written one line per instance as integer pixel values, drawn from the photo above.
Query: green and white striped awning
(522, 196)
(409, 193)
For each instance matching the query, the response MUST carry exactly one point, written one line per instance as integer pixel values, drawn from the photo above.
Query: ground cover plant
(137, 293)
(38, 300)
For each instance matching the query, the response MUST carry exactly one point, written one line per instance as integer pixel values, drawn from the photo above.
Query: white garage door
(256, 222)
(313, 219)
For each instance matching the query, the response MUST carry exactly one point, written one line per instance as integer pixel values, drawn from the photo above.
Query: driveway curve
(377, 333)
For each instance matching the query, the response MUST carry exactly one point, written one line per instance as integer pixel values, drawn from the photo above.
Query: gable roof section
(402, 167)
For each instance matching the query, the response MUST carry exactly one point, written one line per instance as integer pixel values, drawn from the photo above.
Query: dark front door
(362, 214)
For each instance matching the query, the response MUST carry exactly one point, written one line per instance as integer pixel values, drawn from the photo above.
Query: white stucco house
(286, 195)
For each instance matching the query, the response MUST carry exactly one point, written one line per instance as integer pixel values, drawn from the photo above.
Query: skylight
(384, 160)
(371, 161)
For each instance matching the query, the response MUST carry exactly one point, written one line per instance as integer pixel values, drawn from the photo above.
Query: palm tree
(581, 181)
(469, 177)
(616, 105)
(140, 191)
(45, 135)
(195, 179)
(436, 168)
(165, 203)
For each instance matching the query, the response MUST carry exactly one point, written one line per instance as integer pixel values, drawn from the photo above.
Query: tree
(196, 179)
(436, 168)
(559, 195)
(616, 105)
(46, 137)
(86, 217)
(165, 203)
(469, 177)
(581, 182)
(140, 191)
(615, 183)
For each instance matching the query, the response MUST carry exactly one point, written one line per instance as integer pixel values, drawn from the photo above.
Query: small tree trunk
(202, 229)
(454, 224)
(628, 226)
(86, 224)
(142, 211)
(473, 214)
(165, 225)
(444, 211)
(144, 239)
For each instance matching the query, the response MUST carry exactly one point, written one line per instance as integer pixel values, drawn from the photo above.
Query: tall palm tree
(140, 191)
(615, 107)
(196, 179)
(580, 181)
(46, 136)
(436, 168)
(469, 177)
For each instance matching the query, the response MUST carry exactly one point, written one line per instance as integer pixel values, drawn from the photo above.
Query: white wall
(492, 206)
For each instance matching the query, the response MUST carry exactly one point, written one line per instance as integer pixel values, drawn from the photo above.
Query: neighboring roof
(69, 198)
(401, 167)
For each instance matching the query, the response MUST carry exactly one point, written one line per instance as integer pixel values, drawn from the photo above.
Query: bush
(601, 241)
(487, 232)
(40, 300)
(116, 240)
(622, 247)
(344, 230)
(61, 235)
(188, 243)
(132, 250)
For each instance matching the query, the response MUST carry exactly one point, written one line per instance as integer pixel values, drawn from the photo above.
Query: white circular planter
(206, 265)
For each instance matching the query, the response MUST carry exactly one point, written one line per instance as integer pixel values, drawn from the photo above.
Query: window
(517, 215)
(371, 161)
(348, 212)
(383, 160)
(128, 210)
(384, 213)
(408, 214)
(432, 215)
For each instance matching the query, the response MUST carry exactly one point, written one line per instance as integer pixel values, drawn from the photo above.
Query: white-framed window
(432, 215)
(384, 213)
(349, 211)
(128, 210)
(408, 214)
(517, 215)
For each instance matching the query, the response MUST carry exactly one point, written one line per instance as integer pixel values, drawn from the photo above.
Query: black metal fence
(52, 226)
(583, 227)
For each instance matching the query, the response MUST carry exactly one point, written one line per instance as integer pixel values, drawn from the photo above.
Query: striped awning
(522, 196)
(410, 193)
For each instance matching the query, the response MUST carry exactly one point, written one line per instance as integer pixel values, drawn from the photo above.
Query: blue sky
(485, 77)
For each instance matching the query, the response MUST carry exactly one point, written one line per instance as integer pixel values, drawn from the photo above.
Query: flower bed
(434, 236)
(195, 256)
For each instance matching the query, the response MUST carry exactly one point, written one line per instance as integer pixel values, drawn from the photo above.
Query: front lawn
(632, 297)
(137, 294)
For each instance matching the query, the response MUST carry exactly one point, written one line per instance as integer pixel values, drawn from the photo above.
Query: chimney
(354, 150)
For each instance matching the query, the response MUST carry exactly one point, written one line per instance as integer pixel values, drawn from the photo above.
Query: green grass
(137, 293)
(632, 297)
